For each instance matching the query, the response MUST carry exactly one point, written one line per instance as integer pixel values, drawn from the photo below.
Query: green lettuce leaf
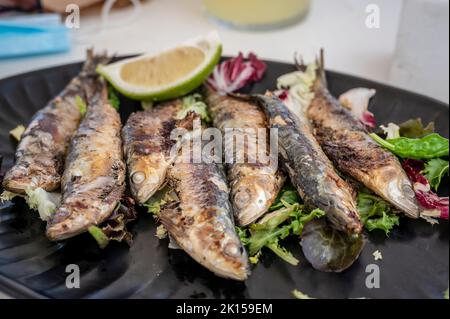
(113, 98)
(81, 104)
(194, 103)
(288, 195)
(276, 226)
(435, 169)
(162, 197)
(414, 128)
(99, 236)
(375, 213)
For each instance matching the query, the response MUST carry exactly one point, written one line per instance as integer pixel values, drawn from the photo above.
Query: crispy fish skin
(254, 186)
(201, 222)
(310, 170)
(43, 146)
(146, 138)
(346, 142)
(94, 177)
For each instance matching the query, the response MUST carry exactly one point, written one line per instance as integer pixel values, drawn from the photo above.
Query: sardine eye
(138, 177)
(232, 250)
(408, 191)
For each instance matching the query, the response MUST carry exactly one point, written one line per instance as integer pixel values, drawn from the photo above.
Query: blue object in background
(32, 34)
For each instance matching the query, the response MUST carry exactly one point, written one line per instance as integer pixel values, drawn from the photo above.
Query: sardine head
(144, 184)
(252, 197)
(397, 189)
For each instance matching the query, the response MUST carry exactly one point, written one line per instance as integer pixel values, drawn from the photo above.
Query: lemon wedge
(168, 74)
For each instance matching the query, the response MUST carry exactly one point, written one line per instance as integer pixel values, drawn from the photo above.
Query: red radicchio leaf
(235, 73)
(368, 119)
(283, 95)
(434, 205)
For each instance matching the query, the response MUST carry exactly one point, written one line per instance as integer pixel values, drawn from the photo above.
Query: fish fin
(321, 79)
(92, 61)
(299, 62)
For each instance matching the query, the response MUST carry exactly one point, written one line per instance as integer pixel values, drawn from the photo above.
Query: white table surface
(337, 26)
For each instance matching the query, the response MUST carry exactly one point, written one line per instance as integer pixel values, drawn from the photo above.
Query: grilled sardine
(147, 144)
(94, 174)
(41, 152)
(346, 142)
(311, 172)
(254, 186)
(202, 221)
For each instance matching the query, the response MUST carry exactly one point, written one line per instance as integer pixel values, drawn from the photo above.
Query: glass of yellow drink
(257, 14)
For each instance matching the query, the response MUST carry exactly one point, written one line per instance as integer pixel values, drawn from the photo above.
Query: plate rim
(328, 71)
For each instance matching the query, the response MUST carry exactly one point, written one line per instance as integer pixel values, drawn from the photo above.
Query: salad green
(194, 103)
(427, 147)
(287, 217)
(113, 97)
(375, 213)
(81, 104)
(435, 170)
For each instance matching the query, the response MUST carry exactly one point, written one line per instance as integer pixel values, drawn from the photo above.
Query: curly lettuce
(276, 226)
(193, 103)
(376, 213)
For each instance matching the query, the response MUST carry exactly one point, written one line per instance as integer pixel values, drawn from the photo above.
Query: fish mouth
(234, 263)
(16, 186)
(402, 196)
(66, 229)
(344, 222)
(143, 195)
(241, 275)
(20, 185)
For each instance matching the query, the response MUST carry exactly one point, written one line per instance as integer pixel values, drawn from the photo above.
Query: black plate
(415, 258)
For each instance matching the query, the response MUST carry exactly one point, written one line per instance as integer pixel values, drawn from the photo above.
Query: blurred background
(404, 43)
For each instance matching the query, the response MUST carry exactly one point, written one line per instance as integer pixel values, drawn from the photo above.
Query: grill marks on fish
(254, 186)
(309, 169)
(201, 222)
(94, 177)
(147, 146)
(43, 146)
(346, 142)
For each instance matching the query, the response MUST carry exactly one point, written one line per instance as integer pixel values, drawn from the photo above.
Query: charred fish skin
(345, 141)
(94, 177)
(146, 137)
(310, 170)
(254, 186)
(201, 222)
(39, 158)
